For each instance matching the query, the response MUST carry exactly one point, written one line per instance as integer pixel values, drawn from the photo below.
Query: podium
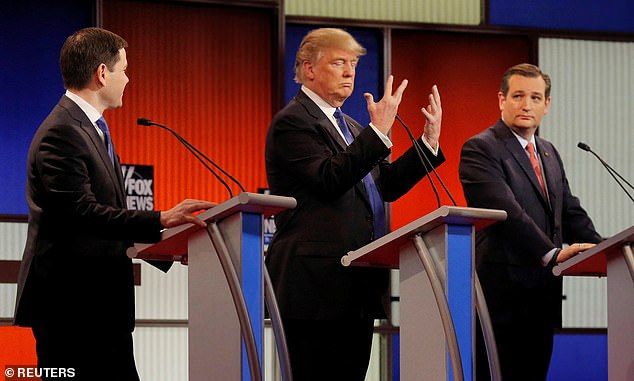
(612, 258)
(226, 277)
(435, 254)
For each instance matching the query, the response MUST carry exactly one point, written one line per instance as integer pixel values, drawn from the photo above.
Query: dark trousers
(90, 354)
(524, 354)
(329, 350)
(524, 316)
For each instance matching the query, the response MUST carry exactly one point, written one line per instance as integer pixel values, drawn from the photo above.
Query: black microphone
(426, 164)
(610, 170)
(197, 154)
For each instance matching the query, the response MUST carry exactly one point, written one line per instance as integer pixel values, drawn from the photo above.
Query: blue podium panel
(460, 293)
(435, 255)
(252, 281)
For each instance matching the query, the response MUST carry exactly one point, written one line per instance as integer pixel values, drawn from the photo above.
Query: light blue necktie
(103, 126)
(378, 209)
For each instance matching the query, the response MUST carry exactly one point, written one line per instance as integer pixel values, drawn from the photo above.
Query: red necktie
(535, 164)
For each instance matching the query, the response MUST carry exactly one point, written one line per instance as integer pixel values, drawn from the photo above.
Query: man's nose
(527, 104)
(348, 69)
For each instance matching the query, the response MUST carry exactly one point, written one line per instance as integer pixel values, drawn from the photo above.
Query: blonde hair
(317, 41)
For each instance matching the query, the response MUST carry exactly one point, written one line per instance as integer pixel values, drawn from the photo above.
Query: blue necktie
(103, 126)
(378, 209)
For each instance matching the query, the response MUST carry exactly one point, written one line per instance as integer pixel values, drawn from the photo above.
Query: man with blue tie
(509, 167)
(76, 286)
(337, 172)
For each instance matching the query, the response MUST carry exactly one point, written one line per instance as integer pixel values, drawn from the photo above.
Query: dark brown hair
(84, 51)
(525, 70)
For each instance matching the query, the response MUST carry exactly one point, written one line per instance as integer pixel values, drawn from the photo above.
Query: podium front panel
(215, 343)
(620, 320)
(423, 352)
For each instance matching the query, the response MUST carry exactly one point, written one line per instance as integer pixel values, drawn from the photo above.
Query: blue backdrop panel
(33, 32)
(576, 356)
(584, 15)
(369, 77)
(580, 357)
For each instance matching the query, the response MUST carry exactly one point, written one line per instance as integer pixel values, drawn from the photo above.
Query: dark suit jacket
(306, 158)
(75, 272)
(496, 173)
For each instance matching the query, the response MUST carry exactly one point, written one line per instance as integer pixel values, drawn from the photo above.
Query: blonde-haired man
(336, 169)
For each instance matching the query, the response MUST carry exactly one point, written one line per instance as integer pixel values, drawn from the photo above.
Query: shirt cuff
(385, 139)
(434, 151)
(548, 257)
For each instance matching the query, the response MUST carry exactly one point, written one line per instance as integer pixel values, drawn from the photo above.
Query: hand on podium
(572, 250)
(184, 212)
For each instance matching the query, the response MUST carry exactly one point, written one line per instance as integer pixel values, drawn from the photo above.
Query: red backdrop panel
(205, 71)
(18, 347)
(467, 70)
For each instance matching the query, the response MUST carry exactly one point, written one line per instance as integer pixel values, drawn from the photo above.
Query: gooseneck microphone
(197, 154)
(426, 164)
(610, 170)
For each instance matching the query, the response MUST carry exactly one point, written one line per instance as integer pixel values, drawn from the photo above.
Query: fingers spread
(388, 86)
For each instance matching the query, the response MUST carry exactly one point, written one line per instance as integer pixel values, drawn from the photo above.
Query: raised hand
(433, 117)
(382, 114)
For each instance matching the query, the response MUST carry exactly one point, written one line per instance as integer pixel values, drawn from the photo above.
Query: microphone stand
(610, 170)
(426, 163)
(197, 154)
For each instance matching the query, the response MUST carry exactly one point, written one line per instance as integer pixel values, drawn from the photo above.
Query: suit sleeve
(399, 177)
(304, 150)
(576, 224)
(484, 183)
(76, 193)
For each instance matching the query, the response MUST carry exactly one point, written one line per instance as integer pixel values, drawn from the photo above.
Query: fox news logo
(139, 186)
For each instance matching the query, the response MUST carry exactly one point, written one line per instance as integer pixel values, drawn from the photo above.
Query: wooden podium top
(593, 262)
(384, 252)
(173, 243)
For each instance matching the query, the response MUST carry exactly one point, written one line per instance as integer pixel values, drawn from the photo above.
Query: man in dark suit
(75, 287)
(336, 169)
(508, 167)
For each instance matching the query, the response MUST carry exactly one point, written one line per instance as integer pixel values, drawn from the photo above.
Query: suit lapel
(324, 122)
(519, 154)
(98, 147)
(119, 183)
(550, 169)
(322, 119)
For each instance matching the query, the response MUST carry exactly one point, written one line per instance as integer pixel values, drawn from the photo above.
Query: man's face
(525, 104)
(116, 82)
(332, 76)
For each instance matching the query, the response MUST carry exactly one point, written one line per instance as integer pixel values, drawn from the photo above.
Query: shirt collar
(319, 101)
(86, 107)
(523, 141)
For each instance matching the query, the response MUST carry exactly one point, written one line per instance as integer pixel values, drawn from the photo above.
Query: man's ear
(101, 74)
(547, 105)
(308, 70)
(501, 99)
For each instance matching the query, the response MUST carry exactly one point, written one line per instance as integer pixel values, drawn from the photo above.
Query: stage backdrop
(33, 32)
(467, 70)
(205, 71)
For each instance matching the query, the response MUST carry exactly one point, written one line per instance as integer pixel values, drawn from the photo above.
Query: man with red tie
(508, 167)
